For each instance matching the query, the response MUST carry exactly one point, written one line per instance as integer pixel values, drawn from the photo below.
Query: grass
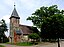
(2, 46)
(25, 44)
(22, 44)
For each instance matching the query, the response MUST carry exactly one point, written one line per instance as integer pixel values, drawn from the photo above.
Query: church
(18, 32)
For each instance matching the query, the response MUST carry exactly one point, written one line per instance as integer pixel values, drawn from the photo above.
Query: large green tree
(3, 28)
(44, 12)
(53, 27)
(50, 20)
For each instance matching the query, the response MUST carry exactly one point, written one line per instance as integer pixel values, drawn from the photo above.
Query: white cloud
(23, 21)
(9, 2)
(30, 4)
(6, 18)
(1, 7)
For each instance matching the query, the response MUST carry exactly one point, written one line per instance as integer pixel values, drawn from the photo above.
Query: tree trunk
(58, 43)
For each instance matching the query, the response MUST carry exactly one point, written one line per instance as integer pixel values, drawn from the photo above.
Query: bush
(33, 36)
(2, 46)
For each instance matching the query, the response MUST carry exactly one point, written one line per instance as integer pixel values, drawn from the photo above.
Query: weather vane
(14, 4)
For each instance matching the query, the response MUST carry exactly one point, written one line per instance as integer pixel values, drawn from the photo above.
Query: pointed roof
(15, 14)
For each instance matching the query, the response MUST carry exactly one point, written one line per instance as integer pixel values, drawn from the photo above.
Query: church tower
(15, 33)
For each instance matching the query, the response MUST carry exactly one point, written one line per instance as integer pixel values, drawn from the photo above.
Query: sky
(25, 8)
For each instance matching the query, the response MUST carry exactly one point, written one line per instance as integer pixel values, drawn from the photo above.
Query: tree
(43, 13)
(50, 20)
(33, 36)
(53, 27)
(3, 28)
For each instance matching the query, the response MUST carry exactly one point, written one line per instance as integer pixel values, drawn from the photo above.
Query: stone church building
(19, 33)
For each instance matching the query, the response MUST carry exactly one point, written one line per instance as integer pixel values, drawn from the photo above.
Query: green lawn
(2, 46)
(25, 44)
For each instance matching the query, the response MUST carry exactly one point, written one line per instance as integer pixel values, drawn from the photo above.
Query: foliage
(50, 20)
(53, 26)
(33, 36)
(3, 28)
(5, 40)
(44, 12)
(35, 30)
(1, 46)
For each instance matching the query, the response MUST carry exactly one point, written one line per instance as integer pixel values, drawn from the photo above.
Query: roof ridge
(25, 25)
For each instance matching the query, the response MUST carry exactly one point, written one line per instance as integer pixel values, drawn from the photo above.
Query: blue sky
(25, 8)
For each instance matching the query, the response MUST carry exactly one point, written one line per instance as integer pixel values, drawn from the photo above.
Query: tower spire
(14, 13)
(14, 5)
